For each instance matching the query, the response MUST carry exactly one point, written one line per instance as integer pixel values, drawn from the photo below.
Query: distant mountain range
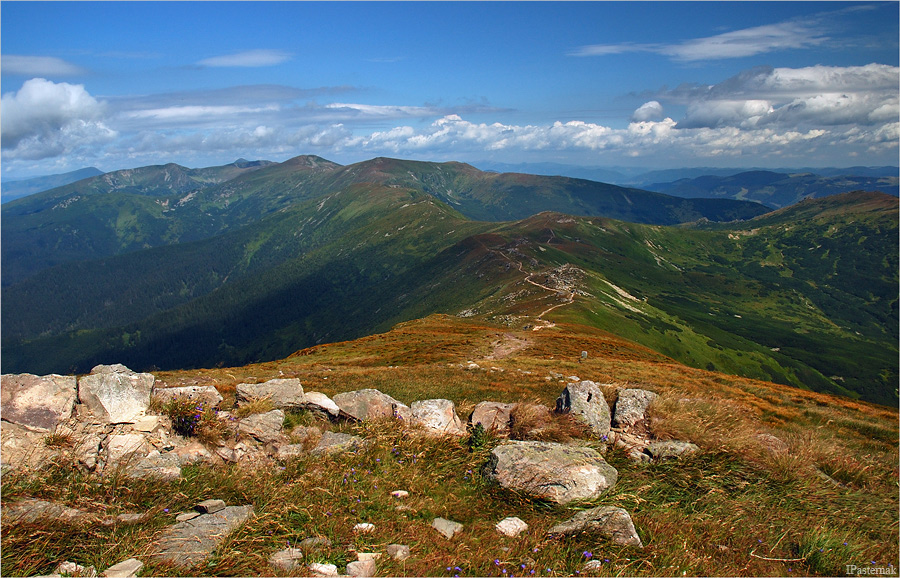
(170, 267)
(14, 189)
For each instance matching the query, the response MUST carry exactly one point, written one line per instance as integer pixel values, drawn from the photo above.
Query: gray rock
(772, 443)
(398, 552)
(156, 466)
(671, 449)
(286, 560)
(126, 569)
(289, 451)
(22, 447)
(609, 521)
(72, 569)
(511, 526)
(317, 569)
(264, 427)
(124, 448)
(361, 568)
(87, 450)
(147, 424)
(585, 400)
(192, 453)
(185, 516)
(371, 404)
(320, 403)
(37, 402)
(447, 528)
(631, 407)
(493, 415)
(207, 394)
(210, 506)
(286, 394)
(30, 510)
(437, 417)
(551, 471)
(192, 541)
(314, 543)
(332, 442)
(115, 394)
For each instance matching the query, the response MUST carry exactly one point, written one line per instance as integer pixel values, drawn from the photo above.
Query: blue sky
(656, 85)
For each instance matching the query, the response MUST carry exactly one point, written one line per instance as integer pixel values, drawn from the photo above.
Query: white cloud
(38, 66)
(248, 59)
(45, 119)
(651, 110)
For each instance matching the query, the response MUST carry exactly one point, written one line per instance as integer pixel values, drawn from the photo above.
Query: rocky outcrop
(286, 394)
(585, 400)
(38, 403)
(437, 417)
(631, 407)
(614, 523)
(371, 404)
(192, 541)
(551, 471)
(115, 394)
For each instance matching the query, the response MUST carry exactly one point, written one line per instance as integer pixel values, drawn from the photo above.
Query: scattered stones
(663, 450)
(205, 394)
(398, 552)
(286, 560)
(72, 569)
(447, 528)
(210, 506)
(364, 528)
(631, 407)
(552, 471)
(263, 427)
(37, 403)
(585, 400)
(316, 569)
(115, 394)
(493, 415)
(437, 417)
(371, 404)
(286, 394)
(126, 569)
(609, 521)
(511, 526)
(332, 442)
(361, 568)
(192, 541)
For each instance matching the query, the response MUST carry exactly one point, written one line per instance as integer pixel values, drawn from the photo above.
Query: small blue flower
(586, 554)
(166, 510)
(496, 561)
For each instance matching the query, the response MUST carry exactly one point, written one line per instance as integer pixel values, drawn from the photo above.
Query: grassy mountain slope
(775, 189)
(806, 296)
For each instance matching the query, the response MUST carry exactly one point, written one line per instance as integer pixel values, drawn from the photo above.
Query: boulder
(190, 542)
(551, 471)
(332, 442)
(631, 407)
(286, 560)
(320, 403)
(447, 528)
(511, 526)
(370, 404)
(37, 402)
(263, 427)
(614, 523)
(206, 394)
(585, 400)
(115, 394)
(286, 394)
(493, 415)
(666, 450)
(437, 417)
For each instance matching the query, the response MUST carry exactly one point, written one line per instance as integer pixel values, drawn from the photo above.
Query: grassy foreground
(736, 509)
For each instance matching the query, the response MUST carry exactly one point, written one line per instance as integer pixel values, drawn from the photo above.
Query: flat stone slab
(447, 528)
(125, 569)
(206, 394)
(556, 472)
(667, 450)
(285, 394)
(614, 523)
(37, 402)
(192, 541)
(31, 510)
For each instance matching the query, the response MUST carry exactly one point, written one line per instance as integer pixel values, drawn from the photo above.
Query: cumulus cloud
(651, 110)
(38, 66)
(45, 119)
(247, 59)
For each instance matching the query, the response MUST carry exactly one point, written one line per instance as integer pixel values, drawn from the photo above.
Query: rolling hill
(308, 252)
(14, 189)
